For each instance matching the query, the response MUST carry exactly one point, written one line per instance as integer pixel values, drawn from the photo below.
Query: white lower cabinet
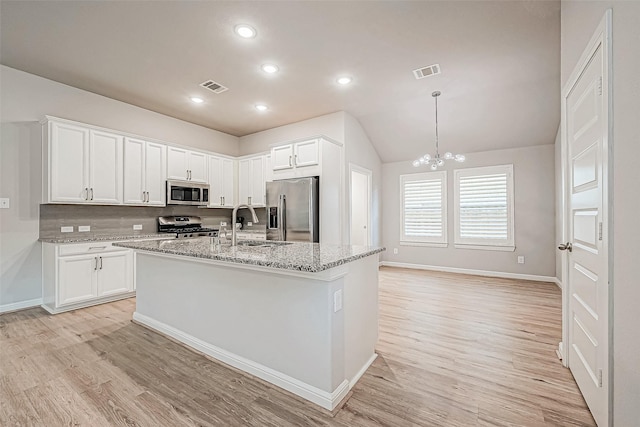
(80, 275)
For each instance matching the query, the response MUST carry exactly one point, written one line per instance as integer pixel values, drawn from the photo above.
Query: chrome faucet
(234, 217)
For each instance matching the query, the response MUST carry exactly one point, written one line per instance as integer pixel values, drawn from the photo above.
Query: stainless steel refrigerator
(293, 210)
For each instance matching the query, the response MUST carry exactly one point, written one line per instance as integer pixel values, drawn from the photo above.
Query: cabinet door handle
(147, 196)
(221, 201)
(96, 267)
(91, 193)
(249, 200)
(290, 161)
(100, 263)
(86, 193)
(295, 160)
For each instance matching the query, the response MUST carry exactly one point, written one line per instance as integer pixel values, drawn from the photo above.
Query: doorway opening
(360, 206)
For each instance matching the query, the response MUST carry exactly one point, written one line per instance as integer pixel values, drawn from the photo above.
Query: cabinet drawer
(88, 248)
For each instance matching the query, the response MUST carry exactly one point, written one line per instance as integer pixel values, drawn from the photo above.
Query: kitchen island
(302, 316)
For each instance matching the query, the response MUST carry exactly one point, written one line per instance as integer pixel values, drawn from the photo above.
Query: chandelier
(437, 160)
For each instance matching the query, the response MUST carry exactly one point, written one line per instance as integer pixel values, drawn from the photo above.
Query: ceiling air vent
(214, 87)
(423, 72)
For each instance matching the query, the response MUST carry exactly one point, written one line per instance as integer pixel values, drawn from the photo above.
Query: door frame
(601, 37)
(369, 175)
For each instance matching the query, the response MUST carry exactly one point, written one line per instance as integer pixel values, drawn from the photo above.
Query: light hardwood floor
(454, 350)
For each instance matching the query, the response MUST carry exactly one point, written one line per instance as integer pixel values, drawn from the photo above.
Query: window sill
(424, 244)
(485, 247)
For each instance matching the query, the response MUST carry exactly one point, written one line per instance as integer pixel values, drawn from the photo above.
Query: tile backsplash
(117, 220)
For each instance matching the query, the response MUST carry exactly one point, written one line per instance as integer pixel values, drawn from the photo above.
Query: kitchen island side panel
(283, 322)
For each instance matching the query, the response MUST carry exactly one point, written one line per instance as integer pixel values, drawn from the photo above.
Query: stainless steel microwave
(187, 193)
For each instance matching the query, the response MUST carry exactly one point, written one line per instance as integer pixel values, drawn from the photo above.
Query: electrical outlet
(137, 226)
(67, 229)
(4, 203)
(84, 228)
(520, 259)
(249, 223)
(223, 223)
(337, 301)
(395, 251)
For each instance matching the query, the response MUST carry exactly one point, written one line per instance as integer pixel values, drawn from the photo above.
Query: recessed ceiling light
(261, 107)
(197, 100)
(344, 80)
(270, 68)
(246, 31)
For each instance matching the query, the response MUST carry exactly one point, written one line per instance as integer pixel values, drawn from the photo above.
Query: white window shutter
(484, 207)
(423, 210)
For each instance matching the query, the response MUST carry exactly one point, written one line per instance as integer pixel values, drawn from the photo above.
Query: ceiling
(500, 63)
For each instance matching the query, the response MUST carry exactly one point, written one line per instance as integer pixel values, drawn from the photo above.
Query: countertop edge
(276, 265)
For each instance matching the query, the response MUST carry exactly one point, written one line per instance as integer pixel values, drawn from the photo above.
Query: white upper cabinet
(156, 173)
(105, 168)
(83, 165)
(68, 163)
(186, 165)
(197, 167)
(282, 157)
(251, 181)
(296, 159)
(144, 172)
(221, 182)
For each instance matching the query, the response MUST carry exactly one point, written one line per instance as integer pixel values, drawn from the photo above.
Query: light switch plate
(137, 226)
(337, 301)
(84, 228)
(4, 203)
(67, 229)
(520, 259)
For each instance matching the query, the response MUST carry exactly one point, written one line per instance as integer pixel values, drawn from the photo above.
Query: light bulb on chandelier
(437, 160)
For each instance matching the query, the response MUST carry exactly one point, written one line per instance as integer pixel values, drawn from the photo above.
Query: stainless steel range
(184, 226)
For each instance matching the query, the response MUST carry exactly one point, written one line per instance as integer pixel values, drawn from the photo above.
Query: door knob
(566, 247)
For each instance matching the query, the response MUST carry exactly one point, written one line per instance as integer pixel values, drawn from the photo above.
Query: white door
(114, 273)
(198, 167)
(77, 279)
(360, 207)
(134, 153)
(105, 168)
(155, 174)
(177, 163)
(69, 151)
(585, 111)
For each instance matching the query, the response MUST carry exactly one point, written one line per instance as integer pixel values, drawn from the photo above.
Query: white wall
(331, 125)
(20, 180)
(359, 151)
(534, 210)
(24, 100)
(27, 98)
(579, 20)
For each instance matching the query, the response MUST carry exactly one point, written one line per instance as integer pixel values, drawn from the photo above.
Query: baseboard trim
(485, 273)
(362, 370)
(22, 305)
(319, 397)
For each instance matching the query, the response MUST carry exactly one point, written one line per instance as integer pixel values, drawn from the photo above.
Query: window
(484, 208)
(424, 209)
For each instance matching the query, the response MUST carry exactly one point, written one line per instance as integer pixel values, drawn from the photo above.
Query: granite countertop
(103, 237)
(309, 257)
